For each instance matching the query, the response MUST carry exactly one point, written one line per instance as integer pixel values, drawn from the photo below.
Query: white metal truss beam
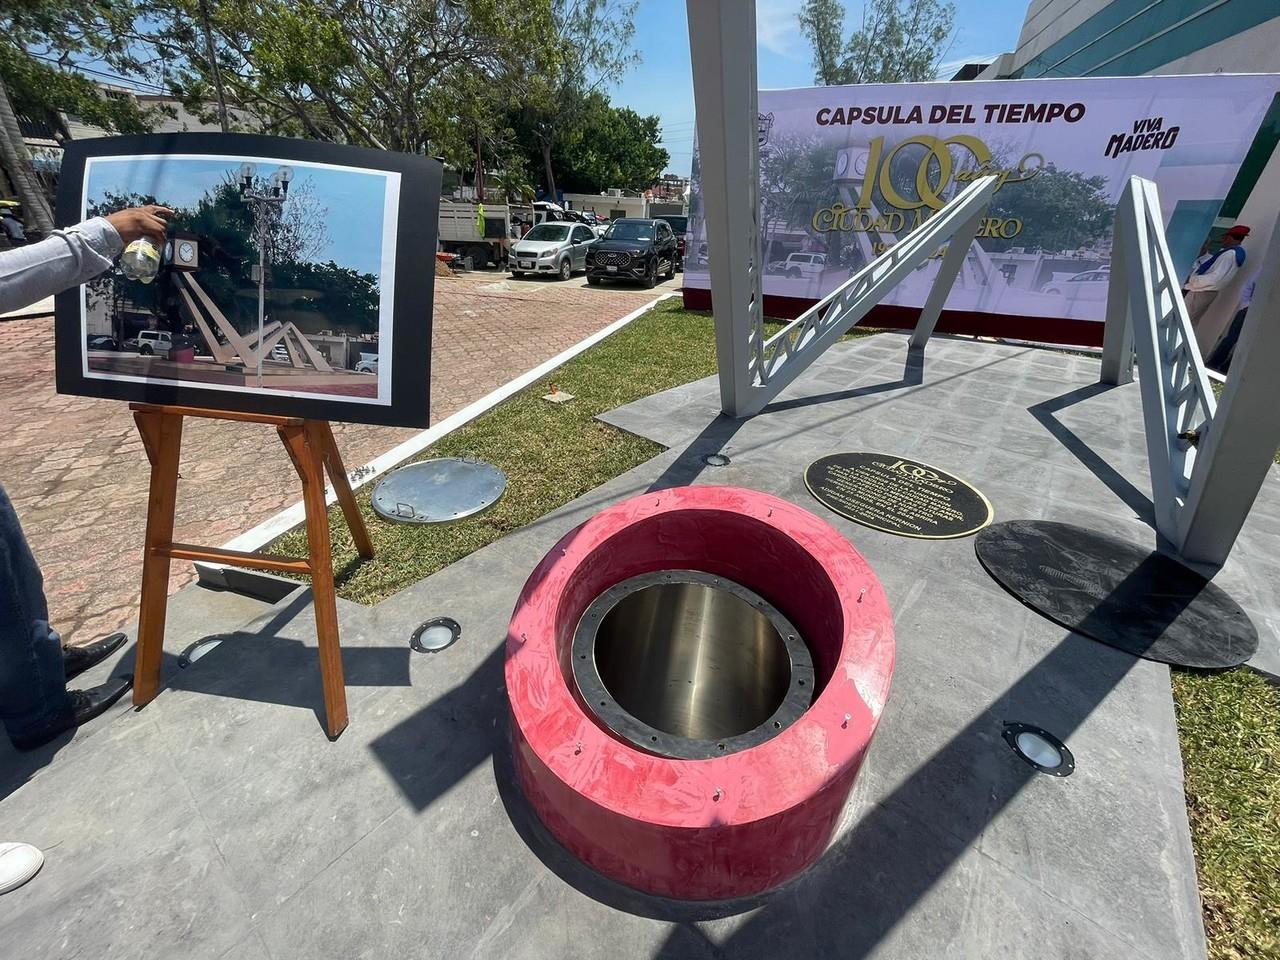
(1207, 462)
(793, 348)
(1236, 455)
(722, 46)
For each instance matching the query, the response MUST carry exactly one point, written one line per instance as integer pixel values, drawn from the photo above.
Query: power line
(77, 68)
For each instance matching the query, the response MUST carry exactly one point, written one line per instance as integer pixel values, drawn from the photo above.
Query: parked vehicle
(280, 353)
(368, 363)
(544, 211)
(798, 265)
(460, 233)
(149, 342)
(680, 227)
(558, 248)
(634, 249)
(100, 342)
(1090, 285)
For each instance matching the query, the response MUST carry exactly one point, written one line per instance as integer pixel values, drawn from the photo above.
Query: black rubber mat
(1144, 603)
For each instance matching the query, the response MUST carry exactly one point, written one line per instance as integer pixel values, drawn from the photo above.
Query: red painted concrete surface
(729, 826)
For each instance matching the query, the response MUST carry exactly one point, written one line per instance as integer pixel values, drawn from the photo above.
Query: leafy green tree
(608, 147)
(590, 47)
(1059, 210)
(417, 76)
(39, 42)
(323, 295)
(898, 41)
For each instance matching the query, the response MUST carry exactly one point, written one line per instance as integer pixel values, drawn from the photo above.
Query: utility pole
(265, 204)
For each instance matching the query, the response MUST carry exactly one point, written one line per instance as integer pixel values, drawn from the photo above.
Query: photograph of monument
(277, 276)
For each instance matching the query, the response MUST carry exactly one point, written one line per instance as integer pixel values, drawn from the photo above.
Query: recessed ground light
(197, 650)
(716, 460)
(435, 635)
(1040, 748)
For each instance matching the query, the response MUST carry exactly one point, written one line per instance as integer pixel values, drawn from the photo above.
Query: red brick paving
(77, 474)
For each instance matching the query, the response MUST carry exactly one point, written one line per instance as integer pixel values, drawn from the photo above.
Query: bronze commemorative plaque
(898, 495)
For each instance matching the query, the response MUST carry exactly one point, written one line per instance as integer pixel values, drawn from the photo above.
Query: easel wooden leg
(307, 444)
(342, 487)
(162, 437)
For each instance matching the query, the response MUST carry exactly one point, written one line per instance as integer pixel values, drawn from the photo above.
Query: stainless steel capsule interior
(693, 660)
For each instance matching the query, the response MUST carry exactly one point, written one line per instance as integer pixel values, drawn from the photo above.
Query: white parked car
(367, 365)
(797, 265)
(150, 343)
(1090, 285)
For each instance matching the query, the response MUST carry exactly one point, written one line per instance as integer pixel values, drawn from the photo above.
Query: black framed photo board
(297, 278)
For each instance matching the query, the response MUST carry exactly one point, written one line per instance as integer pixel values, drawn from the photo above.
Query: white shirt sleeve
(66, 258)
(1216, 277)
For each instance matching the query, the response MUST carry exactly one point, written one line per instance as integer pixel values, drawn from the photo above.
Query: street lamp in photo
(265, 205)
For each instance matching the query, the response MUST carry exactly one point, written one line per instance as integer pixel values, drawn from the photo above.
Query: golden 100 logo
(935, 172)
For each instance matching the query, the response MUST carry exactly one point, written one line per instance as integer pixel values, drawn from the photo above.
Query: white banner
(846, 172)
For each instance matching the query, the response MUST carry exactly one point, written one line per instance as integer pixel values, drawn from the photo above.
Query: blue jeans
(33, 686)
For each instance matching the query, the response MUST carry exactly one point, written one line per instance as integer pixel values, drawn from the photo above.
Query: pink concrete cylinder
(728, 826)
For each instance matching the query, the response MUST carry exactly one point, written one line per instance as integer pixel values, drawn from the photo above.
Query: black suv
(634, 250)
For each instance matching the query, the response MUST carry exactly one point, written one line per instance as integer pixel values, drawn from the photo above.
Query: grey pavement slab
(220, 822)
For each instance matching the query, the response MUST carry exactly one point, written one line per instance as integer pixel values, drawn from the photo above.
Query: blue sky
(353, 241)
(662, 83)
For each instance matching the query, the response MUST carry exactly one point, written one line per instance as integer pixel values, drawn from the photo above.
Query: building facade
(1121, 38)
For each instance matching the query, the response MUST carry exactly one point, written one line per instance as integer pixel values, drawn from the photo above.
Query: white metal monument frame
(1207, 460)
(753, 370)
(1207, 466)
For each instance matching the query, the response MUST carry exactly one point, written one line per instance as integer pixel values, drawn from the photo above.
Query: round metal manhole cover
(443, 490)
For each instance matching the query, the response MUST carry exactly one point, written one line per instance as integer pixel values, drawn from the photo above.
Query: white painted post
(1117, 334)
(952, 261)
(722, 46)
(1242, 438)
(1158, 417)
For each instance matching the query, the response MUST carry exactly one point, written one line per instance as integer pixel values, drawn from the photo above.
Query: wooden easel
(310, 446)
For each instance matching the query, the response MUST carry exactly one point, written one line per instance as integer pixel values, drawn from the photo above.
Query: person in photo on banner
(35, 704)
(1211, 273)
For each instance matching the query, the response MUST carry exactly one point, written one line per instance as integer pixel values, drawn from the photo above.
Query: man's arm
(72, 256)
(66, 258)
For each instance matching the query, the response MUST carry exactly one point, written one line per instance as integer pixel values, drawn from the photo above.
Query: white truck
(460, 232)
(800, 265)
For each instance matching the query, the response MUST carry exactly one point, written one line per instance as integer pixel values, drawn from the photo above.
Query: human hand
(137, 222)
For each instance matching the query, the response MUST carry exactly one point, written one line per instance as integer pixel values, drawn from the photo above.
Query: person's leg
(1198, 302)
(1220, 359)
(33, 690)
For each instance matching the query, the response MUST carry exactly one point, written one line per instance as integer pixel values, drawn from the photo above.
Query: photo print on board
(297, 279)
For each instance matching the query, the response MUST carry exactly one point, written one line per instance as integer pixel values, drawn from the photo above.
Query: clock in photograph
(184, 252)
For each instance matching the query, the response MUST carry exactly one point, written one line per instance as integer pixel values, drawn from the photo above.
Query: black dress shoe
(79, 659)
(85, 705)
